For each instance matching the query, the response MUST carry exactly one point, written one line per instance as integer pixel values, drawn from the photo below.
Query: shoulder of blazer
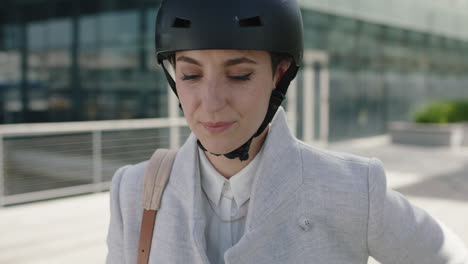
(134, 175)
(335, 168)
(339, 157)
(336, 190)
(129, 181)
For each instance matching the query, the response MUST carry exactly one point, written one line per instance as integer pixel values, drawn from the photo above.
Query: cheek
(187, 99)
(252, 103)
(185, 93)
(258, 94)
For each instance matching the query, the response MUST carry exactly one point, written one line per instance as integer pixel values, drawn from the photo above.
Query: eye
(186, 77)
(244, 77)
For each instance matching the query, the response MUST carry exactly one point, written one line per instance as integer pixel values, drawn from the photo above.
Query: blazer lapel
(185, 178)
(278, 178)
(279, 174)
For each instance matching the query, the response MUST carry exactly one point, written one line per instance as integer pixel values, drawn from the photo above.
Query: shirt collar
(211, 180)
(241, 183)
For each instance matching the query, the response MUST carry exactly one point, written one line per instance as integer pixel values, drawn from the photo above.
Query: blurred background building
(367, 62)
(64, 60)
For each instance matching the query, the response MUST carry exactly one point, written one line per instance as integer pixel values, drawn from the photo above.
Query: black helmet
(269, 25)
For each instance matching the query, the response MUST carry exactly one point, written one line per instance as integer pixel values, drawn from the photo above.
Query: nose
(213, 96)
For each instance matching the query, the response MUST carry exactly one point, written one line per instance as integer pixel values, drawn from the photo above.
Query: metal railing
(49, 160)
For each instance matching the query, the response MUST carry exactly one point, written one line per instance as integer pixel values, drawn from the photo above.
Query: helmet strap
(169, 78)
(171, 82)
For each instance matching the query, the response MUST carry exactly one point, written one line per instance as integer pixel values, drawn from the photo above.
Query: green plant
(443, 112)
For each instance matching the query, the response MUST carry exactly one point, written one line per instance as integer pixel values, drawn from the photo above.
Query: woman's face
(224, 94)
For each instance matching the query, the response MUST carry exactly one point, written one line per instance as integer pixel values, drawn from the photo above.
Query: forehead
(258, 56)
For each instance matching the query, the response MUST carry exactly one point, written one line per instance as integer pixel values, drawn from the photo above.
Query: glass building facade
(63, 60)
(78, 61)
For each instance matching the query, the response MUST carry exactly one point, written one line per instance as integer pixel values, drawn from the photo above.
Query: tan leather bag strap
(156, 176)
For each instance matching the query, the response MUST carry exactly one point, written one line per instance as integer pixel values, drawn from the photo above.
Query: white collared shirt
(230, 199)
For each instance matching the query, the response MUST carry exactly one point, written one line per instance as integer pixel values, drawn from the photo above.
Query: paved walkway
(72, 230)
(69, 230)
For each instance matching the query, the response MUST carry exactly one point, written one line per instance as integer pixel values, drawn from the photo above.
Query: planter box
(449, 135)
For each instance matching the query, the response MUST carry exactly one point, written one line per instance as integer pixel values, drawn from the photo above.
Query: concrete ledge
(450, 135)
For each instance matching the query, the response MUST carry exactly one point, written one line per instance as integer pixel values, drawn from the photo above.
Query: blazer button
(305, 223)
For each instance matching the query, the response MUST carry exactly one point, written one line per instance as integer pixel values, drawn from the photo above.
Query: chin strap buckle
(241, 152)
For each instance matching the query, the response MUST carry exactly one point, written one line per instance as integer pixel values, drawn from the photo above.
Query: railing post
(2, 173)
(324, 103)
(97, 160)
(292, 106)
(316, 82)
(308, 116)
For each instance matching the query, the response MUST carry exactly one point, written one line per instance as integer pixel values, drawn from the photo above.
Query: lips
(217, 127)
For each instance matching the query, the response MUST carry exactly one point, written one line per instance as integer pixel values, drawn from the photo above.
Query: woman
(243, 189)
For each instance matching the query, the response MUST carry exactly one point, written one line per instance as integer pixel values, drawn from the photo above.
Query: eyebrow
(230, 62)
(188, 60)
(239, 61)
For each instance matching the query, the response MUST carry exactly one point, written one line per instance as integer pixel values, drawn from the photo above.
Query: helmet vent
(251, 22)
(181, 23)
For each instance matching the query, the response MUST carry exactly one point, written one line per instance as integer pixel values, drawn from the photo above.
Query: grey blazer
(307, 206)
